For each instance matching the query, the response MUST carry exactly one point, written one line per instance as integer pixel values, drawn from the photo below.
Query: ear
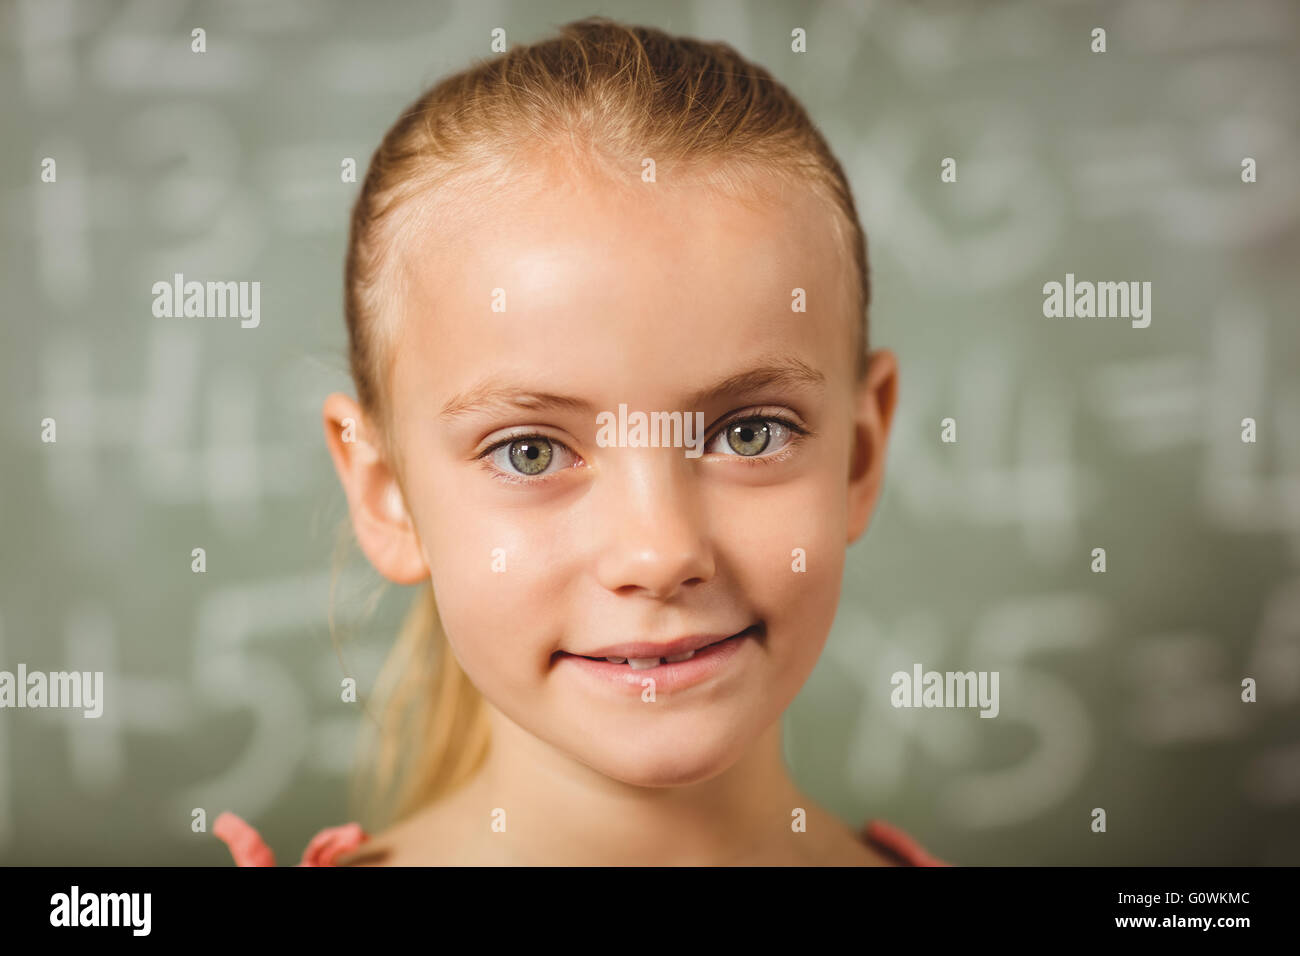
(874, 401)
(379, 515)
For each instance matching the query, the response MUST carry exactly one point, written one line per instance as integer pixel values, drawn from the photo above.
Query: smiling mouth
(646, 663)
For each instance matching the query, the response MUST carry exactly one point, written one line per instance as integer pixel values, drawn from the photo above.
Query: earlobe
(383, 525)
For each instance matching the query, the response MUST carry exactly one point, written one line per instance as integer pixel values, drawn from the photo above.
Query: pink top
(249, 849)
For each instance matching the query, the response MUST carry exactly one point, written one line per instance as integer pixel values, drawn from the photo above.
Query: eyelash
(797, 434)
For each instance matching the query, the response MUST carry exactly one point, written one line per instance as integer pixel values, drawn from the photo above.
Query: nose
(653, 536)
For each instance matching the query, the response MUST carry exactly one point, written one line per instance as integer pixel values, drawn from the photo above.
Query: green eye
(752, 436)
(525, 458)
(746, 439)
(530, 456)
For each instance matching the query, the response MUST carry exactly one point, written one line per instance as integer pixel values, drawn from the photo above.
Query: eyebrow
(495, 394)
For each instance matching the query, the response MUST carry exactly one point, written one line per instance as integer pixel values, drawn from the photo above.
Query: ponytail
(428, 733)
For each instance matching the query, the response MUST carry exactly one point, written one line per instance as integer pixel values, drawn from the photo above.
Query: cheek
(791, 567)
(491, 570)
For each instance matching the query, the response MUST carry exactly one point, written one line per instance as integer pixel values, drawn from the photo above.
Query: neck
(560, 811)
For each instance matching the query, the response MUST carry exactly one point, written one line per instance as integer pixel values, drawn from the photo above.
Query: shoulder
(249, 849)
(897, 845)
(431, 836)
(428, 837)
(827, 840)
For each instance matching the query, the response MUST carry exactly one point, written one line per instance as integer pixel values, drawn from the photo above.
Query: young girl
(616, 416)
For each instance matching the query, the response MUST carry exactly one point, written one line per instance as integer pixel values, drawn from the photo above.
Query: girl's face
(546, 545)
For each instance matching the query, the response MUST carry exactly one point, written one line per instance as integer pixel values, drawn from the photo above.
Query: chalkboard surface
(1119, 690)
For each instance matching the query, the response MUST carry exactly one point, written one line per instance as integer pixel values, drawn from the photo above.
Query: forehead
(627, 293)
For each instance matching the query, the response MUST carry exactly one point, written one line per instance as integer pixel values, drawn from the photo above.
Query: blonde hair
(601, 95)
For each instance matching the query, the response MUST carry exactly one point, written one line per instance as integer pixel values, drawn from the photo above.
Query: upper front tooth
(616, 660)
(680, 657)
(642, 663)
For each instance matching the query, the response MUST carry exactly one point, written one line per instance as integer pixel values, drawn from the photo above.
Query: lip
(709, 661)
(647, 649)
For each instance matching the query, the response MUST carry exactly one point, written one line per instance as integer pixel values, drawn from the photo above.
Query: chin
(668, 763)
